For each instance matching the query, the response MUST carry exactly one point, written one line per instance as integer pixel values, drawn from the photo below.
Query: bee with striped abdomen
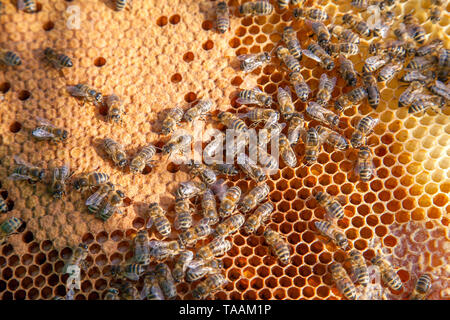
(172, 120)
(428, 102)
(217, 247)
(254, 197)
(106, 205)
(115, 109)
(356, 24)
(231, 121)
(444, 58)
(408, 42)
(224, 168)
(359, 267)
(78, 258)
(256, 8)
(414, 28)
(422, 287)
(183, 214)
(157, 217)
(206, 174)
(179, 144)
(347, 71)
(326, 87)
(287, 107)
(283, 4)
(251, 169)
(259, 217)
(297, 128)
(329, 231)
(362, 130)
(278, 245)
(57, 187)
(163, 250)
(86, 94)
(345, 49)
(57, 60)
(300, 86)
(189, 237)
(350, 98)
(209, 210)
(143, 158)
(258, 115)
(254, 96)
(392, 48)
(115, 151)
(373, 93)
(222, 17)
(28, 6)
(388, 274)
(286, 151)
(210, 285)
(90, 180)
(3, 205)
(342, 280)
(189, 189)
(229, 201)
(430, 48)
(364, 167)
(46, 131)
(319, 113)
(314, 14)
(333, 208)
(26, 171)
(374, 63)
(343, 34)
(122, 4)
(410, 94)
(288, 59)
(128, 291)
(250, 62)
(9, 227)
(200, 268)
(332, 138)
(318, 54)
(131, 271)
(229, 225)
(199, 111)
(388, 72)
(439, 88)
(293, 45)
(151, 289)
(312, 146)
(165, 280)
(142, 248)
(181, 265)
(321, 32)
(421, 63)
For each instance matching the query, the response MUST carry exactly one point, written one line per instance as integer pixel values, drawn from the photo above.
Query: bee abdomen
(120, 4)
(12, 59)
(392, 280)
(162, 225)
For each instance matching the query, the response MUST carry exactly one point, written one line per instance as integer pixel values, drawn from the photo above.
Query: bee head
(48, 51)
(83, 246)
(298, 12)
(41, 174)
(268, 101)
(57, 194)
(330, 65)
(80, 183)
(267, 56)
(120, 194)
(153, 205)
(123, 162)
(64, 134)
(319, 196)
(342, 240)
(98, 97)
(353, 253)
(335, 267)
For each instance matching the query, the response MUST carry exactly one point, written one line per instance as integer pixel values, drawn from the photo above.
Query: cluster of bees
(427, 69)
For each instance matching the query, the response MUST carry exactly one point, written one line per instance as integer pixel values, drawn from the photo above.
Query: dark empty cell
(208, 45)
(7, 295)
(323, 291)
(39, 281)
(176, 78)
(52, 256)
(33, 270)
(130, 233)
(317, 246)
(88, 238)
(240, 261)
(15, 127)
(360, 244)
(93, 296)
(99, 62)
(101, 260)
(33, 294)
(60, 291)
(242, 285)
(296, 260)
(319, 269)
(46, 293)
(310, 259)
(285, 228)
(49, 25)
(46, 245)
(117, 235)
(53, 280)
(7, 273)
(103, 110)
(20, 272)
(66, 253)
(138, 223)
(20, 295)
(255, 261)
(95, 248)
(250, 295)
(304, 271)
(13, 261)
(2, 262)
(162, 21)
(325, 257)
(46, 269)
(308, 237)
(13, 284)
(207, 25)
(390, 241)
(4, 87)
(234, 43)
(86, 286)
(24, 95)
(40, 258)
(80, 297)
(116, 258)
(175, 19)
(100, 284)
(173, 168)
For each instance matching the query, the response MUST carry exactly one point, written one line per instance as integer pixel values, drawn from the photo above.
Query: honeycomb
(164, 53)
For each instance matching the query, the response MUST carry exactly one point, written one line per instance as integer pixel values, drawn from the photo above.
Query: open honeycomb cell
(175, 56)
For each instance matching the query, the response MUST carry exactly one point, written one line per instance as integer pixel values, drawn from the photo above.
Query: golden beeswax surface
(166, 53)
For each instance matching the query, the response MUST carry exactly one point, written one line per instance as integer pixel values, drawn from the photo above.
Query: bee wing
(246, 101)
(219, 188)
(74, 91)
(20, 4)
(96, 197)
(323, 80)
(333, 82)
(244, 57)
(149, 223)
(16, 176)
(111, 99)
(193, 264)
(64, 172)
(257, 90)
(272, 118)
(145, 291)
(43, 121)
(372, 59)
(311, 55)
(153, 244)
(442, 86)
(20, 161)
(41, 133)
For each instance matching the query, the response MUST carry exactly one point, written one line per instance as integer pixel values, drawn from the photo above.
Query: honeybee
(231, 121)
(318, 54)
(131, 271)
(388, 274)
(78, 257)
(121, 4)
(141, 248)
(332, 138)
(287, 107)
(251, 169)
(359, 267)
(151, 289)
(363, 4)
(402, 34)
(256, 8)
(332, 206)
(28, 6)
(314, 14)
(58, 186)
(189, 237)
(415, 75)
(143, 158)
(177, 144)
(393, 48)
(343, 34)
(115, 109)
(257, 218)
(319, 113)
(347, 71)
(162, 250)
(206, 174)
(421, 63)
(225, 168)
(297, 128)
(435, 11)
(326, 87)
(444, 58)
(439, 88)
(345, 49)
(115, 151)
(374, 63)
(414, 28)
(364, 166)
(268, 163)
(230, 225)
(300, 86)
(288, 59)
(356, 24)
(199, 110)
(128, 291)
(292, 43)
(253, 197)
(10, 227)
(283, 4)
(422, 288)
(362, 130)
(286, 151)
(26, 171)
(254, 96)
(430, 48)
(312, 146)
(424, 103)
(165, 280)
(210, 285)
(229, 201)
(90, 180)
(58, 60)
(328, 230)
(189, 189)
(105, 204)
(46, 131)
(3, 205)
(373, 93)
(321, 32)
(351, 98)
(9, 58)
(200, 268)
(157, 216)
(181, 265)
(112, 294)
(217, 247)
(222, 17)
(172, 120)
(258, 115)
(389, 71)
(278, 245)
(86, 94)
(183, 214)
(250, 62)
(342, 280)
(209, 210)
(215, 145)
